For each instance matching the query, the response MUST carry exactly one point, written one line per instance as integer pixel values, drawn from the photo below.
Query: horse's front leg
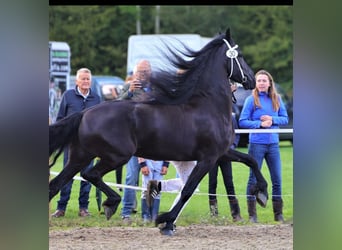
(66, 175)
(169, 218)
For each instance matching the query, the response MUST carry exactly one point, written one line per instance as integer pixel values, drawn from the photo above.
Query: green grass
(196, 211)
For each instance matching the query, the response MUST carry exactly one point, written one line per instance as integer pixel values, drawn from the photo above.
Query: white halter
(232, 53)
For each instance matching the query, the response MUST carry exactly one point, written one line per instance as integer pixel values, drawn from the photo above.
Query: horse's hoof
(108, 212)
(168, 232)
(261, 199)
(169, 229)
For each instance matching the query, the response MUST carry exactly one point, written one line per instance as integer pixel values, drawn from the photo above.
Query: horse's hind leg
(261, 188)
(94, 175)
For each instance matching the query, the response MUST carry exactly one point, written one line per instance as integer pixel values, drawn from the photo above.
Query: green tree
(98, 35)
(267, 35)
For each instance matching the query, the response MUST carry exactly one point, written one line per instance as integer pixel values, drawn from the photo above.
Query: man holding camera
(132, 91)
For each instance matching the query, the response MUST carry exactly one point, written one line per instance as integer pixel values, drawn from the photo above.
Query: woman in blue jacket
(264, 108)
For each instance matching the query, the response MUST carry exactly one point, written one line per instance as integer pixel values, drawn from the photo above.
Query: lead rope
(232, 54)
(233, 95)
(233, 98)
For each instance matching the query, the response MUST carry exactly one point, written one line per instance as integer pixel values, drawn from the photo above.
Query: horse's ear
(228, 33)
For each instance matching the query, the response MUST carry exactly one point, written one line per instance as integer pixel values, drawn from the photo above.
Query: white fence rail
(264, 130)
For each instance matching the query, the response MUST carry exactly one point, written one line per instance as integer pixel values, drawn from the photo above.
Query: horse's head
(239, 70)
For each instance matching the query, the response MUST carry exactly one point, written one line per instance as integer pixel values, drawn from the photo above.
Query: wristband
(166, 164)
(142, 164)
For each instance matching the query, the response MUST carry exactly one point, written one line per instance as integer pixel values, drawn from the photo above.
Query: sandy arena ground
(190, 237)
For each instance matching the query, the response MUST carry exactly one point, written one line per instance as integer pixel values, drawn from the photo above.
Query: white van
(148, 46)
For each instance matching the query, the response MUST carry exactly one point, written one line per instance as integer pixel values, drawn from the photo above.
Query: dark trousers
(118, 175)
(227, 174)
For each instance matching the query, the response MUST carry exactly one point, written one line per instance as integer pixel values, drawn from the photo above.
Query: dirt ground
(190, 237)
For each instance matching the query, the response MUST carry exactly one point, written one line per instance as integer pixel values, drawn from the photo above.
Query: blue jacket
(72, 101)
(250, 118)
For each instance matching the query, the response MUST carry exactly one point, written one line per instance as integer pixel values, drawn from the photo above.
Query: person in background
(118, 176)
(154, 187)
(139, 85)
(76, 100)
(52, 102)
(155, 170)
(131, 91)
(264, 108)
(227, 175)
(183, 170)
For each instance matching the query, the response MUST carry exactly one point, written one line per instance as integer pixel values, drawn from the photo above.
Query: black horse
(187, 117)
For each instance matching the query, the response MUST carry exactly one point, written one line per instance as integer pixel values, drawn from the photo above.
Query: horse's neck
(216, 90)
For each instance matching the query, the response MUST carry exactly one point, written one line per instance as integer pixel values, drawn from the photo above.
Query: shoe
(237, 218)
(213, 211)
(152, 191)
(83, 212)
(58, 213)
(147, 221)
(126, 220)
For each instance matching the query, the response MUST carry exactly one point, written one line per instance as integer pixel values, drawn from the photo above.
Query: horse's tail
(61, 133)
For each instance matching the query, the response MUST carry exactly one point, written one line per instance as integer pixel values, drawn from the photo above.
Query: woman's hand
(266, 121)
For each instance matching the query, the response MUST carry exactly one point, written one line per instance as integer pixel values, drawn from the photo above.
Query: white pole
(157, 23)
(138, 20)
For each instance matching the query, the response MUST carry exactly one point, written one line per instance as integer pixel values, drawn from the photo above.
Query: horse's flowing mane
(175, 88)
